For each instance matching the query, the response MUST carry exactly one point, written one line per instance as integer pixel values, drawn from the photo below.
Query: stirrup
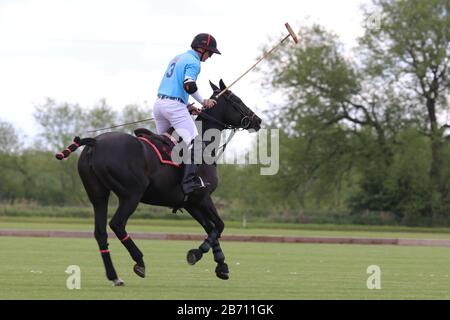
(194, 187)
(202, 183)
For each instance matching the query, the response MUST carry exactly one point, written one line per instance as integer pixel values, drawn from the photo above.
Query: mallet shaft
(253, 66)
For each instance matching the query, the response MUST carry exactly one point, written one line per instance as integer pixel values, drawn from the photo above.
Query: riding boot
(191, 182)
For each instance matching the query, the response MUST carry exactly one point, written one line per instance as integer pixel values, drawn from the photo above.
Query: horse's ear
(222, 85)
(213, 86)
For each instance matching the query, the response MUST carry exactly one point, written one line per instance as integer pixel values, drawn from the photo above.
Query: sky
(82, 51)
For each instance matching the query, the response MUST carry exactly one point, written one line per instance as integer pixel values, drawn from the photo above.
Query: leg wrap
(219, 257)
(206, 245)
(134, 251)
(213, 237)
(106, 257)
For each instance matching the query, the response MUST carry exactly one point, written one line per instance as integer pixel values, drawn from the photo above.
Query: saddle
(161, 144)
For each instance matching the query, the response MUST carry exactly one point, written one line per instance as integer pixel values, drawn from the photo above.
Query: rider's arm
(191, 87)
(192, 71)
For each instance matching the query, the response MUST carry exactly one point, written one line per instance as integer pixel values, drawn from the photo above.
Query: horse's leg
(222, 270)
(195, 255)
(206, 214)
(101, 209)
(99, 195)
(127, 205)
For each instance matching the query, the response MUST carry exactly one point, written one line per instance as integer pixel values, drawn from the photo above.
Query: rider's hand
(194, 110)
(209, 103)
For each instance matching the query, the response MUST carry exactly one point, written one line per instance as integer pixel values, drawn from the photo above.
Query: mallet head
(291, 32)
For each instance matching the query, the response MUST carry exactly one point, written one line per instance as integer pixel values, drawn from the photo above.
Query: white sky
(81, 51)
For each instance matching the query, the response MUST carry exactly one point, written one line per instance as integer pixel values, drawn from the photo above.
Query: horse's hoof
(118, 282)
(193, 256)
(222, 271)
(139, 270)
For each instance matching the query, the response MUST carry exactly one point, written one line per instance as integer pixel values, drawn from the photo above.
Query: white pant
(171, 113)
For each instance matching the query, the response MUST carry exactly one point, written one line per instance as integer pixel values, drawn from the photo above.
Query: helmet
(205, 41)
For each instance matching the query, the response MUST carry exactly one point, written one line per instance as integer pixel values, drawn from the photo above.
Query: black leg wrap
(213, 237)
(219, 257)
(110, 271)
(136, 255)
(205, 246)
(134, 251)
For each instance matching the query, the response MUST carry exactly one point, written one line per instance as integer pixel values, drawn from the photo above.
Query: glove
(209, 103)
(193, 109)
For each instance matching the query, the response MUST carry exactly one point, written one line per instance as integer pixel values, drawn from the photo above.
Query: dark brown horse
(125, 165)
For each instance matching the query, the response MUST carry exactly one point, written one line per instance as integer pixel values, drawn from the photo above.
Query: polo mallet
(291, 34)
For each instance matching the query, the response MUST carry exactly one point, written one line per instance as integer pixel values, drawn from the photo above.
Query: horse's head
(230, 112)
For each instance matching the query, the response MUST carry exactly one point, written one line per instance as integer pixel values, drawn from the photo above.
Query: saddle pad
(162, 149)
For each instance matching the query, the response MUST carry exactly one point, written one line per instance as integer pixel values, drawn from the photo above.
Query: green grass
(34, 268)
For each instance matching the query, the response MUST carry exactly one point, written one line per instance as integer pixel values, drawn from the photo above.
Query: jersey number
(170, 70)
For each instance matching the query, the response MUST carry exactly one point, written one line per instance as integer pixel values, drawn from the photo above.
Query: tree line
(367, 129)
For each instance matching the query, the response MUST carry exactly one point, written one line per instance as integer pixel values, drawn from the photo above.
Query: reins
(223, 147)
(120, 125)
(210, 118)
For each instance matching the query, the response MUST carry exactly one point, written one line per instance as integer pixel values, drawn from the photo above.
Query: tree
(60, 122)
(412, 49)
(346, 117)
(9, 147)
(9, 141)
(100, 116)
(333, 114)
(133, 112)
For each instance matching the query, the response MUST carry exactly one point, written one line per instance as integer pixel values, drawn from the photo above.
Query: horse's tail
(77, 142)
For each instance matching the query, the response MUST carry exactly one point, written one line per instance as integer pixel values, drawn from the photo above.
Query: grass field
(34, 268)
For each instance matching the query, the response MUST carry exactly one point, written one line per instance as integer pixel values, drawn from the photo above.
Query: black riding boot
(191, 182)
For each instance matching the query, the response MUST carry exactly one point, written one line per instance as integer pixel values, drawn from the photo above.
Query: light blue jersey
(186, 65)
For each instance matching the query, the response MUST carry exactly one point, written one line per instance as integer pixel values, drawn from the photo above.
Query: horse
(127, 166)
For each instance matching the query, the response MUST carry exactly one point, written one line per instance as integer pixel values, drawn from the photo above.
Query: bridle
(247, 115)
(246, 120)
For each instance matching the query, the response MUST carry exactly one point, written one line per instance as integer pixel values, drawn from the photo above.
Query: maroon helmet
(205, 41)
